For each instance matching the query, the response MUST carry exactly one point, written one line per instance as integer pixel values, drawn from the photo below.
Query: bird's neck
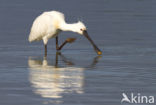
(68, 27)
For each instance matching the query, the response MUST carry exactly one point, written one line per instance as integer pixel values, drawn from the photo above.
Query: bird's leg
(62, 45)
(57, 46)
(56, 59)
(45, 49)
(68, 40)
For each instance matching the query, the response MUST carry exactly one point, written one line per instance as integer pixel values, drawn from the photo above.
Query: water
(123, 29)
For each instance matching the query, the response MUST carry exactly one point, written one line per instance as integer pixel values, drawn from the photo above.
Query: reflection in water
(51, 81)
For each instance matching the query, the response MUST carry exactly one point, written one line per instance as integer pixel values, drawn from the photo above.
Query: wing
(40, 27)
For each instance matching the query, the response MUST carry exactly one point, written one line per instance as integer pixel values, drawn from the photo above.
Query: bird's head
(80, 27)
(82, 30)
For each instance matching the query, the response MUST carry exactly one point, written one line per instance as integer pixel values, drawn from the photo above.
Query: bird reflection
(51, 81)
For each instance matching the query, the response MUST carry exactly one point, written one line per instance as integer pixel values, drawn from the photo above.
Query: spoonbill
(49, 24)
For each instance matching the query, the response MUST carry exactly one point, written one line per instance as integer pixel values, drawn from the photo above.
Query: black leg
(68, 40)
(56, 59)
(57, 46)
(45, 49)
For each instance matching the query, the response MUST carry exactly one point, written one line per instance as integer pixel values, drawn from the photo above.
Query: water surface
(123, 29)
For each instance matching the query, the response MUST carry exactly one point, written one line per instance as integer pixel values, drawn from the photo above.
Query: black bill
(85, 33)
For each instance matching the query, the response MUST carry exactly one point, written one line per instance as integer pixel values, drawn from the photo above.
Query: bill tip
(99, 52)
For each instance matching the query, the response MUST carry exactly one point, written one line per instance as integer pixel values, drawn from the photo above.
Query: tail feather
(30, 39)
(34, 37)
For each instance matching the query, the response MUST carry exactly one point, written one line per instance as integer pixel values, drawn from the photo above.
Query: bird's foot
(70, 40)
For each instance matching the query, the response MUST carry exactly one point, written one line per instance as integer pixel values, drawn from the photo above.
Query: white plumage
(49, 24)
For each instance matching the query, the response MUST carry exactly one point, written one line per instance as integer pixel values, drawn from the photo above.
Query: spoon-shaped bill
(85, 33)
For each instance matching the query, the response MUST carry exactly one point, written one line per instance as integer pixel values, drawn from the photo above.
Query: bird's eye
(81, 29)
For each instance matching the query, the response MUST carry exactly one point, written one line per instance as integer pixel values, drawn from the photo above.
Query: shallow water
(123, 29)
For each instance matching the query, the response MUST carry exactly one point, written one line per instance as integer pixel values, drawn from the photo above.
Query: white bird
(50, 24)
